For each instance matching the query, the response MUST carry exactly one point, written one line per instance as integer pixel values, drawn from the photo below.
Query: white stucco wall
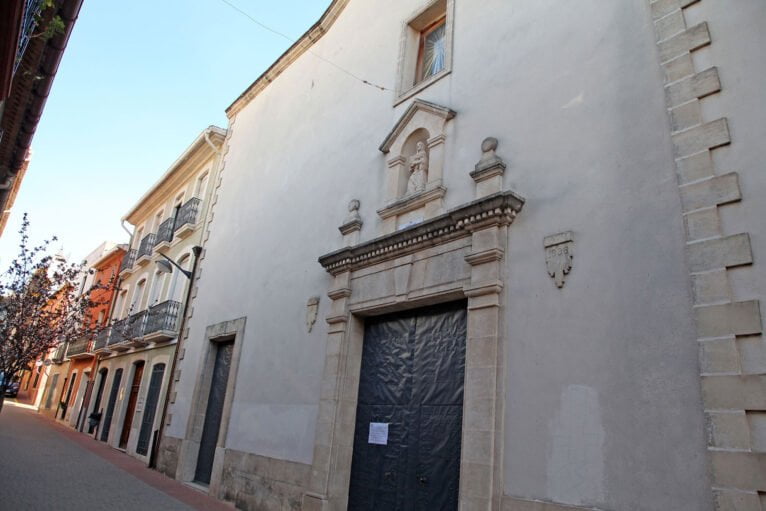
(602, 379)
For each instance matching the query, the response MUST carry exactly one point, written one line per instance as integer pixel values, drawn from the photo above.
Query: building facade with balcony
(524, 273)
(100, 280)
(136, 352)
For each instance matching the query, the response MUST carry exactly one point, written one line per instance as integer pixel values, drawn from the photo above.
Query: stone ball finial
(489, 145)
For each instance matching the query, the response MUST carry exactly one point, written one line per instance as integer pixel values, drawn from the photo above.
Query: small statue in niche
(418, 170)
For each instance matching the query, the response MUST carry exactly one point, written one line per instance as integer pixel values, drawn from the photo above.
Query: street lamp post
(166, 266)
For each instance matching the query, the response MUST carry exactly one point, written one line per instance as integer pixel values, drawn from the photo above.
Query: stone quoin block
(711, 287)
(678, 68)
(719, 356)
(689, 40)
(670, 25)
(693, 87)
(733, 500)
(702, 224)
(745, 470)
(712, 192)
(692, 168)
(706, 136)
(729, 430)
(738, 318)
(662, 8)
(733, 392)
(686, 116)
(719, 253)
(757, 426)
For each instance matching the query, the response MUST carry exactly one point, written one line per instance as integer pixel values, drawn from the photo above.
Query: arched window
(178, 282)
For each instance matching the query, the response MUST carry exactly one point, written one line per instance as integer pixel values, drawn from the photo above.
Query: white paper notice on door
(378, 433)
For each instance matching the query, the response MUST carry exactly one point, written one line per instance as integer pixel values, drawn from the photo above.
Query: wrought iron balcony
(187, 216)
(28, 24)
(128, 261)
(162, 321)
(146, 246)
(165, 232)
(135, 329)
(117, 332)
(101, 339)
(80, 348)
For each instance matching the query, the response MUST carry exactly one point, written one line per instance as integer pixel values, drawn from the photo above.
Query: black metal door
(411, 383)
(214, 412)
(150, 408)
(110, 406)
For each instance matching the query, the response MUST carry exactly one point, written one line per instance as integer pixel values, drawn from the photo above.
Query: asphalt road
(42, 468)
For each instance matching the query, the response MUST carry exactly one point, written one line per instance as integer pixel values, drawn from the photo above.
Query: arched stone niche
(414, 175)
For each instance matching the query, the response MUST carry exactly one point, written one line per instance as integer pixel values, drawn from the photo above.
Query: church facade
(500, 256)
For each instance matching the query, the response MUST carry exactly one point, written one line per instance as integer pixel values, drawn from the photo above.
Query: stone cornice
(300, 46)
(411, 202)
(499, 208)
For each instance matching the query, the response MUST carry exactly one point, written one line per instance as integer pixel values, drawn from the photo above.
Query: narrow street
(45, 466)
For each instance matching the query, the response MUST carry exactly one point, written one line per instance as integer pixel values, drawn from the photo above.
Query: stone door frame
(458, 255)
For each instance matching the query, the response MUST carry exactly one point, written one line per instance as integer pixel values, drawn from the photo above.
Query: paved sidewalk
(47, 466)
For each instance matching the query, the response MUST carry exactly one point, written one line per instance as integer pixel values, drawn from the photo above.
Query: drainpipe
(157, 440)
(122, 224)
(216, 150)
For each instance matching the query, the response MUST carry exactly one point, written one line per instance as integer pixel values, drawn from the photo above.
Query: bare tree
(41, 307)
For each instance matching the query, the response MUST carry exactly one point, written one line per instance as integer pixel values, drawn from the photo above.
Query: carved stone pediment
(430, 116)
(415, 146)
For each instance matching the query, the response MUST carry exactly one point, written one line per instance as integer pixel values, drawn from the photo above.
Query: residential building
(539, 242)
(100, 281)
(137, 355)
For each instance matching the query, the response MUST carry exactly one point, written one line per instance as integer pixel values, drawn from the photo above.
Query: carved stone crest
(312, 309)
(558, 256)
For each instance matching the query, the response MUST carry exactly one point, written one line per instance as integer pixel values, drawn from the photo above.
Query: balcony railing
(163, 317)
(28, 24)
(101, 339)
(78, 348)
(188, 213)
(165, 231)
(136, 323)
(128, 261)
(117, 333)
(146, 246)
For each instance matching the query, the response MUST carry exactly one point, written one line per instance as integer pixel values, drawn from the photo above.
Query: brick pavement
(47, 466)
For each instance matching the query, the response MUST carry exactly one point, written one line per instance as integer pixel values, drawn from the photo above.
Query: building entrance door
(214, 412)
(409, 412)
(152, 397)
(134, 388)
(110, 405)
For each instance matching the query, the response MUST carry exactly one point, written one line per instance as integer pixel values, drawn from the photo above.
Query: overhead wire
(320, 57)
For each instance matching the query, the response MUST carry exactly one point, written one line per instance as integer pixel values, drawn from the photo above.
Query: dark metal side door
(214, 413)
(412, 373)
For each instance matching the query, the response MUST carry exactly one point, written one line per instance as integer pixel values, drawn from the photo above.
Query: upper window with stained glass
(425, 55)
(432, 54)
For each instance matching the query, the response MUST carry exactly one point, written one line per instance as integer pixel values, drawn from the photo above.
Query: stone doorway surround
(455, 255)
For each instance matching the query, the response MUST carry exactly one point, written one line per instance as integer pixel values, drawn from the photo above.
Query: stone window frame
(232, 330)
(409, 48)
